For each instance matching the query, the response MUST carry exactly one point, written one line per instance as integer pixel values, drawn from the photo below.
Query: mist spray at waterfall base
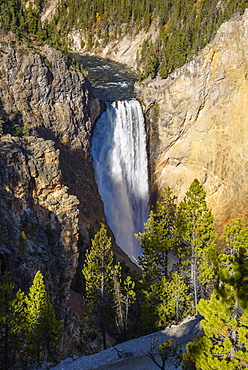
(121, 171)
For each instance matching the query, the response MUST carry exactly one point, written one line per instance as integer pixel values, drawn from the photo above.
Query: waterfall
(120, 164)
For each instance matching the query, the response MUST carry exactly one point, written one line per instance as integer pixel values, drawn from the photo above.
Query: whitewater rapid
(121, 171)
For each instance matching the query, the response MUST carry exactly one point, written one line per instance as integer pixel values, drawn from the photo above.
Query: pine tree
(174, 300)
(124, 297)
(224, 345)
(148, 302)
(128, 297)
(120, 316)
(233, 268)
(225, 324)
(158, 238)
(97, 272)
(42, 328)
(10, 319)
(28, 327)
(157, 241)
(169, 353)
(196, 231)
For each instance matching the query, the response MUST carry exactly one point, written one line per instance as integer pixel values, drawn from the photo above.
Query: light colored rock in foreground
(201, 128)
(132, 354)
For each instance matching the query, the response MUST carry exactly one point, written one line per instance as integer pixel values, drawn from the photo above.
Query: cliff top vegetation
(184, 27)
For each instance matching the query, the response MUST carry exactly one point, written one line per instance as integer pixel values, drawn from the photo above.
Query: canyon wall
(39, 220)
(199, 123)
(42, 93)
(47, 188)
(48, 192)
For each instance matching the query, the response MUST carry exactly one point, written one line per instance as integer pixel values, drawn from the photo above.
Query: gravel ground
(132, 354)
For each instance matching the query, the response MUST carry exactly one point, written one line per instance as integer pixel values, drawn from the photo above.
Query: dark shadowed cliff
(41, 90)
(48, 191)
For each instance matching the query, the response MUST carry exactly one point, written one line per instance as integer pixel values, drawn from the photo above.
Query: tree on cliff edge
(196, 231)
(9, 342)
(28, 327)
(224, 345)
(97, 272)
(42, 329)
(158, 238)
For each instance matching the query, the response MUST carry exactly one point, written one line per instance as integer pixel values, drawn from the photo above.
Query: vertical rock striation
(47, 186)
(201, 128)
(40, 89)
(39, 219)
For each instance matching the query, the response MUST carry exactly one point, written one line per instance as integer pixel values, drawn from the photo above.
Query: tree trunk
(6, 347)
(193, 276)
(103, 316)
(177, 314)
(120, 320)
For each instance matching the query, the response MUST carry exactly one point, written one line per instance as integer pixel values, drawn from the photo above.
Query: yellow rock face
(203, 123)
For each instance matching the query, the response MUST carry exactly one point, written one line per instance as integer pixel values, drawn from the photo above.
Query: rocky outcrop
(47, 191)
(132, 354)
(200, 123)
(39, 219)
(41, 92)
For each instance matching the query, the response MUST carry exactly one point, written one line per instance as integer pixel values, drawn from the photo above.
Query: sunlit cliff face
(202, 122)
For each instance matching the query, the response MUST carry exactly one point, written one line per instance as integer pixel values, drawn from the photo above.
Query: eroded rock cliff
(199, 123)
(39, 219)
(41, 92)
(48, 191)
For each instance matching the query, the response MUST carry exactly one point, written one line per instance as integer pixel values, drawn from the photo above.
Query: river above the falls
(110, 81)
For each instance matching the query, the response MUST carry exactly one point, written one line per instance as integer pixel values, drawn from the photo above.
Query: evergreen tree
(120, 316)
(10, 318)
(174, 300)
(224, 344)
(233, 263)
(196, 232)
(42, 329)
(157, 241)
(97, 272)
(169, 353)
(158, 238)
(28, 326)
(128, 297)
(124, 297)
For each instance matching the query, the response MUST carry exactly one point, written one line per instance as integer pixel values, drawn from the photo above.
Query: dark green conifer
(42, 329)
(8, 324)
(224, 343)
(97, 272)
(195, 228)
(158, 238)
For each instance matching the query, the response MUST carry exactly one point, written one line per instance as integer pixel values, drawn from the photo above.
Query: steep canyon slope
(40, 89)
(48, 191)
(198, 123)
(39, 219)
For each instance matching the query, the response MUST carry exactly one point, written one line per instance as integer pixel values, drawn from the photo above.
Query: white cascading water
(121, 171)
